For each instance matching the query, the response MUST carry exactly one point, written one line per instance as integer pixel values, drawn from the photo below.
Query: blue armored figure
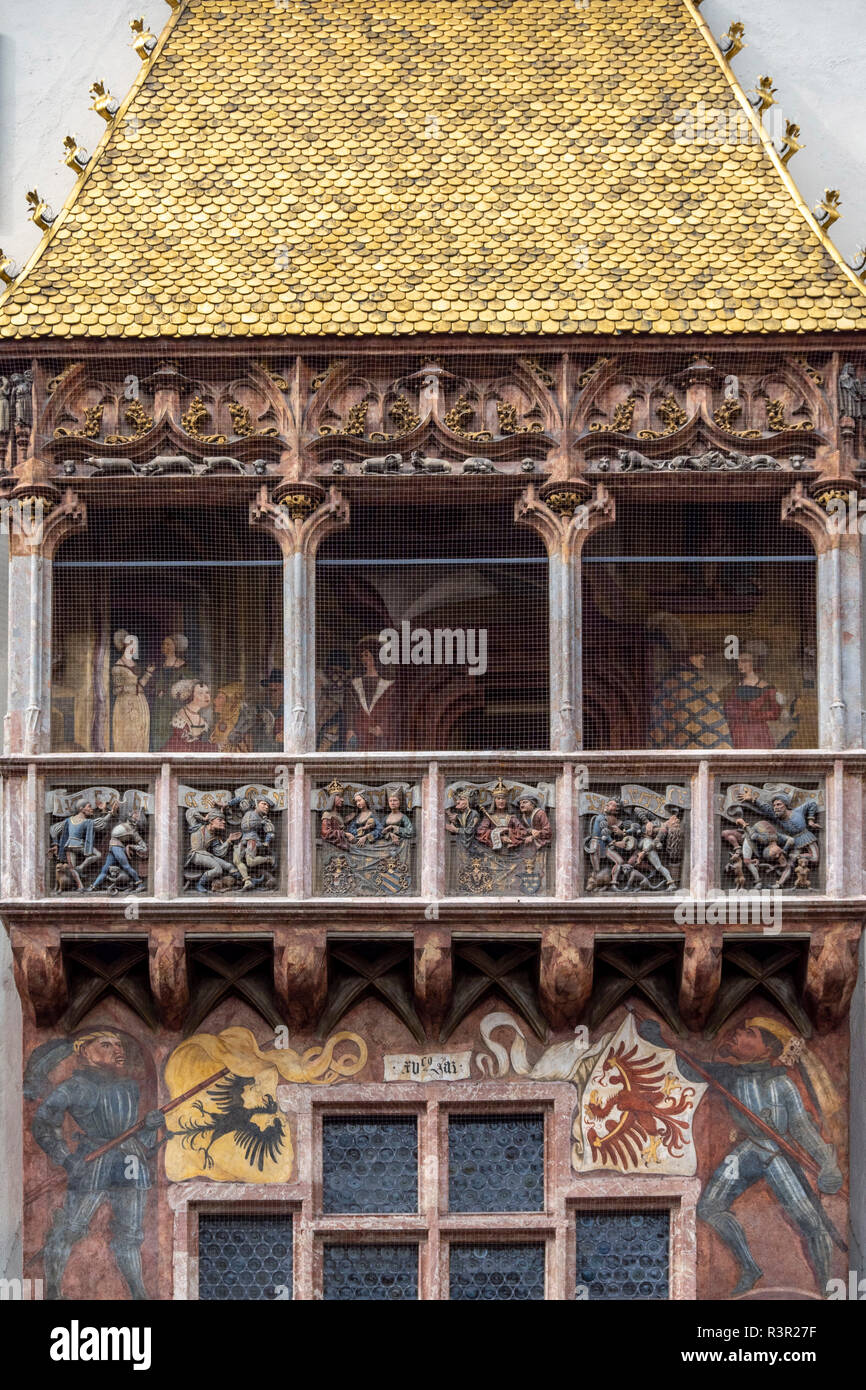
(103, 1101)
(752, 1068)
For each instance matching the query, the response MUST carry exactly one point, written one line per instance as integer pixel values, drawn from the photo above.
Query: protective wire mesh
(167, 635)
(244, 1256)
(370, 1164)
(698, 631)
(432, 631)
(487, 1273)
(496, 1163)
(623, 1254)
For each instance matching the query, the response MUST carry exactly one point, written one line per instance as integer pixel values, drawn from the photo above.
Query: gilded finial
(765, 96)
(41, 212)
(143, 41)
(76, 155)
(732, 43)
(174, 4)
(9, 269)
(827, 210)
(104, 104)
(335, 788)
(791, 143)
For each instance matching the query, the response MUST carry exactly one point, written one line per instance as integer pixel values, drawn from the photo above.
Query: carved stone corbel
(433, 976)
(169, 978)
(831, 974)
(301, 976)
(700, 976)
(565, 974)
(40, 974)
(40, 516)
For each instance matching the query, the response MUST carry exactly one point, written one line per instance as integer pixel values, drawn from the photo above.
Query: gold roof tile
(386, 166)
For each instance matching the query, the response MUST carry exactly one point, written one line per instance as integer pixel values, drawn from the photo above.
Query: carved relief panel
(365, 838)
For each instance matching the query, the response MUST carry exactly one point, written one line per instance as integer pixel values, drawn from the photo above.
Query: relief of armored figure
(210, 844)
(850, 393)
(636, 841)
(118, 869)
(22, 405)
(253, 854)
(780, 850)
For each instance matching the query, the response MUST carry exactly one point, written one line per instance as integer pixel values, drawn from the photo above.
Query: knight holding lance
(102, 1100)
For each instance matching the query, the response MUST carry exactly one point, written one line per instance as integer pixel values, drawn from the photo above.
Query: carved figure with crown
(365, 844)
(500, 836)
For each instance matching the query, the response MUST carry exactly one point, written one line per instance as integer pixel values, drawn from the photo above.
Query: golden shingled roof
(399, 166)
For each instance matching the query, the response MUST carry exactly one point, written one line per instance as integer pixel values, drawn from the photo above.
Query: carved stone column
(831, 973)
(40, 976)
(701, 975)
(565, 517)
(831, 523)
(299, 516)
(433, 976)
(39, 518)
(169, 978)
(565, 974)
(301, 975)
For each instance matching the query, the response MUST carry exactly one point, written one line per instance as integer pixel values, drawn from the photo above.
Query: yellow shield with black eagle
(229, 1126)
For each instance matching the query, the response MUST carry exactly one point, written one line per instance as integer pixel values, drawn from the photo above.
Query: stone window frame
(433, 1228)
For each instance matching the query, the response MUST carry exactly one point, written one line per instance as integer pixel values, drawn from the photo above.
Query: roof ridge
(770, 149)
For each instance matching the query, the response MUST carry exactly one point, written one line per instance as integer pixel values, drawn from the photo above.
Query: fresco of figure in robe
(130, 720)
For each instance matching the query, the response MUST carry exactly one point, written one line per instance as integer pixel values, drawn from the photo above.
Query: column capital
(299, 515)
(825, 513)
(565, 514)
(40, 516)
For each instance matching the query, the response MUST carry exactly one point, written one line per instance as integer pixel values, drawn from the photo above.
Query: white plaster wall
(50, 54)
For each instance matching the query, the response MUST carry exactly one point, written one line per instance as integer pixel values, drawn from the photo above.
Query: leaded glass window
(623, 1254)
(496, 1163)
(361, 1273)
(244, 1257)
(488, 1272)
(370, 1163)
